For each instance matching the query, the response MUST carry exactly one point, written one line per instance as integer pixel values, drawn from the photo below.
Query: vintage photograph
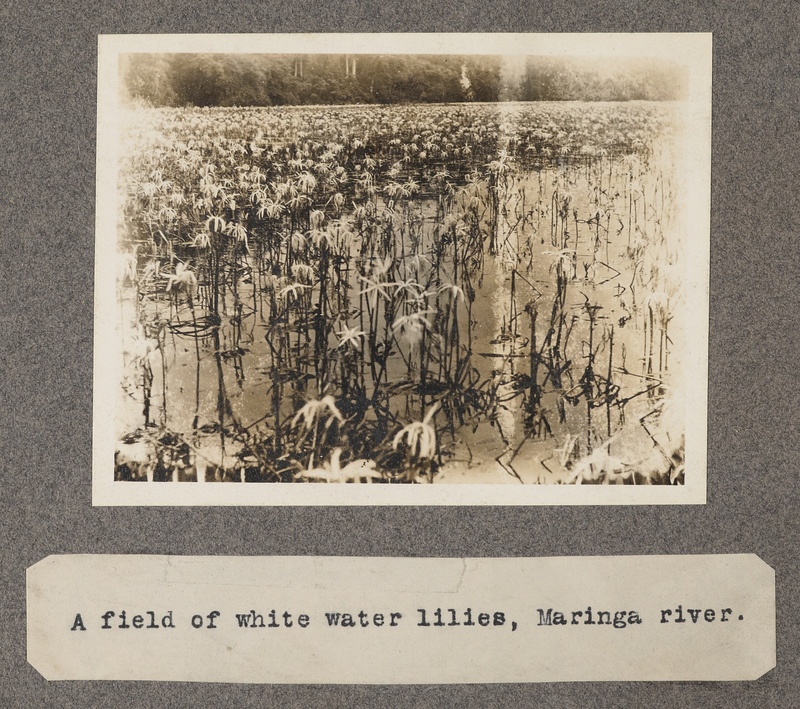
(438, 269)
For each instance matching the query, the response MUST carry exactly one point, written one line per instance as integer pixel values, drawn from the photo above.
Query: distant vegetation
(294, 79)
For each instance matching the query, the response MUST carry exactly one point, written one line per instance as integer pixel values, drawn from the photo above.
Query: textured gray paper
(49, 112)
(334, 620)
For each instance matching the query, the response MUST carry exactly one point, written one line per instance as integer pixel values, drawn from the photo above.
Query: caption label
(391, 621)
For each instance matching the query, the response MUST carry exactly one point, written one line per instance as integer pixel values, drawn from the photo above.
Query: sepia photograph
(402, 269)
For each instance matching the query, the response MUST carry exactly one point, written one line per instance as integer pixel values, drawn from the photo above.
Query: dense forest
(295, 79)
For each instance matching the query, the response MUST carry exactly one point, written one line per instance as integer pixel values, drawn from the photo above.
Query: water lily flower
(216, 224)
(302, 272)
(455, 291)
(419, 436)
(410, 286)
(411, 327)
(184, 280)
(293, 289)
(350, 335)
(315, 409)
(306, 183)
(332, 472)
(374, 288)
(381, 268)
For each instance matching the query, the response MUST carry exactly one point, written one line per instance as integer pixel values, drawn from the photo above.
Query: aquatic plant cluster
(400, 294)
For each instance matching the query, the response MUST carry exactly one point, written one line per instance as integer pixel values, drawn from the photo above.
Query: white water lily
(201, 240)
(141, 347)
(326, 236)
(411, 327)
(277, 283)
(374, 288)
(306, 183)
(293, 289)
(268, 208)
(456, 293)
(332, 472)
(599, 465)
(315, 409)
(239, 232)
(381, 268)
(565, 452)
(420, 261)
(303, 272)
(184, 280)
(215, 224)
(316, 218)
(419, 436)
(351, 335)
(298, 241)
(411, 287)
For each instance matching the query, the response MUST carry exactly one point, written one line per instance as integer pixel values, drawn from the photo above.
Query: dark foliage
(295, 79)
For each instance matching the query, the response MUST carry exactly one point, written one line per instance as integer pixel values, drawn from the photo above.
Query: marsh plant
(402, 294)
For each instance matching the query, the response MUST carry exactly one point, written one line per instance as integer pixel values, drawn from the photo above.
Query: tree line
(295, 79)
